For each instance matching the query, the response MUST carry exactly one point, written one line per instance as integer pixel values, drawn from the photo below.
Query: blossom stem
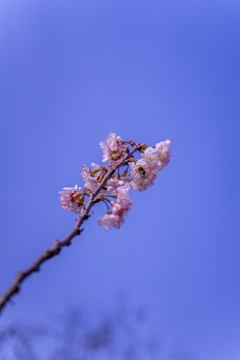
(105, 202)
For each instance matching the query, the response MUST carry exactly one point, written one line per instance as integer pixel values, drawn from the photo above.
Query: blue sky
(71, 72)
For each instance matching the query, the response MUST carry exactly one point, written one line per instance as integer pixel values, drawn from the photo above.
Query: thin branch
(58, 245)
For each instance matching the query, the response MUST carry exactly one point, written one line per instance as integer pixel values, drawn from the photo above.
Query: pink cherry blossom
(71, 199)
(123, 198)
(109, 221)
(142, 175)
(112, 148)
(91, 182)
(113, 184)
(119, 209)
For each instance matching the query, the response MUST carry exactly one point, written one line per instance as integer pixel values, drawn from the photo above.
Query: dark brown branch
(58, 245)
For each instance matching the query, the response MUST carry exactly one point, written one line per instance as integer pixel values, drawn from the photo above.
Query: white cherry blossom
(163, 149)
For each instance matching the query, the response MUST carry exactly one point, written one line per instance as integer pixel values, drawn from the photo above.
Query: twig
(58, 245)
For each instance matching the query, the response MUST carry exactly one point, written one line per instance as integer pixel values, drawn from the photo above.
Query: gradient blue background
(72, 71)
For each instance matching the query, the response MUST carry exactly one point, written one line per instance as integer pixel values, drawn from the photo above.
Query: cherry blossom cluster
(126, 172)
